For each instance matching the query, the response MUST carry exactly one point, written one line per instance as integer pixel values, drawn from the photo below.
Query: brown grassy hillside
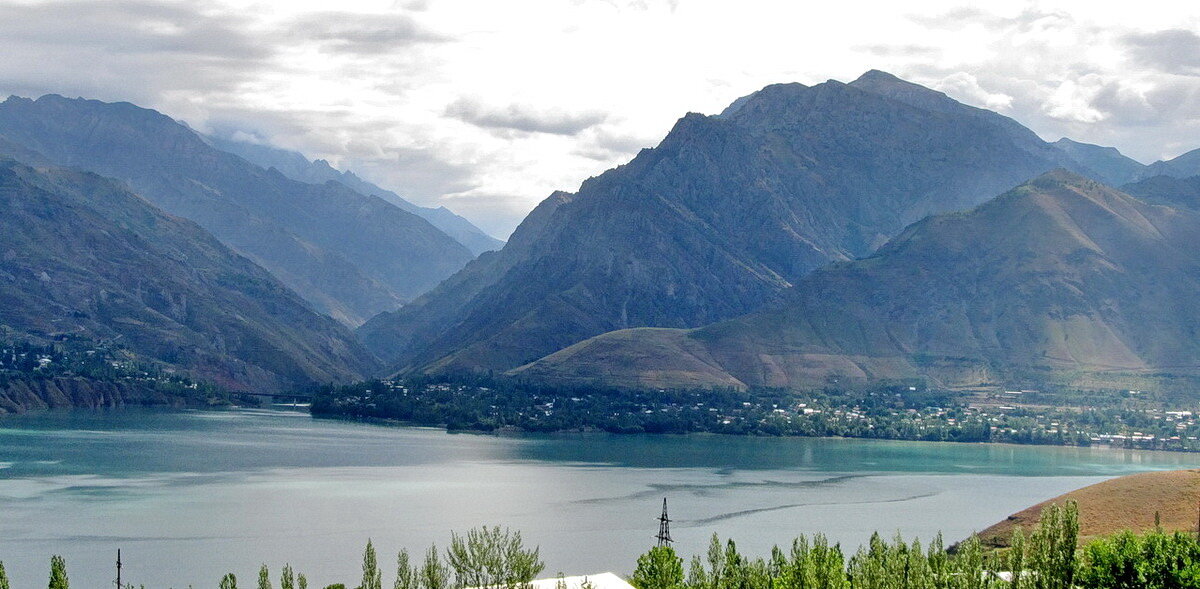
(1128, 502)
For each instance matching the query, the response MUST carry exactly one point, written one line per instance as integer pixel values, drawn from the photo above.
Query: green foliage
(229, 581)
(434, 574)
(287, 578)
(58, 573)
(492, 557)
(302, 582)
(1156, 560)
(659, 568)
(1050, 552)
(406, 576)
(335, 586)
(3, 576)
(372, 577)
(264, 578)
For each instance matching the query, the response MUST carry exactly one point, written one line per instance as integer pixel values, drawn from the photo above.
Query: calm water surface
(188, 496)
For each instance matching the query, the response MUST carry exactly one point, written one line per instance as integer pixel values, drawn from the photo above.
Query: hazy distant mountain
(81, 255)
(1059, 279)
(348, 254)
(1110, 165)
(722, 216)
(297, 167)
(1183, 166)
(1167, 190)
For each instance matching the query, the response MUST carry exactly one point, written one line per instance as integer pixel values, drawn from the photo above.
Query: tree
(659, 568)
(302, 582)
(58, 573)
(264, 578)
(1053, 545)
(372, 578)
(492, 557)
(229, 581)
(3, 576)
(434, 574)
(287, 578)
(406, 575)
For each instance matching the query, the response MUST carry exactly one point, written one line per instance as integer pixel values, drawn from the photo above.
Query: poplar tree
(264, 578)
(372, 578)
(287, 578)
(229, 581)
(58, 573)
(406, 575)
(3, 576)
(302, 582)
(434, 574)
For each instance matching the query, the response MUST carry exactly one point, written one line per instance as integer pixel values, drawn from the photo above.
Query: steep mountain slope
(1110, 165)
(81, 255)
(350, 255)
(1181, 193)
(297, 167)
(1061, 277)
(717, 220)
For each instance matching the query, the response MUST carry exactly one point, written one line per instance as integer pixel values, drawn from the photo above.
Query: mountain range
(804, 235)
(1060, 279)
(83, 257)
(297, 167)
(348, 254)
(721, 218)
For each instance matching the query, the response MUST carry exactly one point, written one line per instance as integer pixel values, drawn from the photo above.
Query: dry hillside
(1128, 502)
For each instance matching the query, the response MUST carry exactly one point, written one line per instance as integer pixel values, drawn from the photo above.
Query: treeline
(485, 557)
(892, 412)
(1047, 558)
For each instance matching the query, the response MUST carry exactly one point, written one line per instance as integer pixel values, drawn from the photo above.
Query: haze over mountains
(719, 219)
(297, 167)
(1058, 279)
(350, 255)
(82, 257)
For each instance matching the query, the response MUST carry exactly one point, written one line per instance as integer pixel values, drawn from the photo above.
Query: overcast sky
(488, 106)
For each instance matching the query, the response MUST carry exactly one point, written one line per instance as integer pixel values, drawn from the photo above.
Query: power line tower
(664, 527)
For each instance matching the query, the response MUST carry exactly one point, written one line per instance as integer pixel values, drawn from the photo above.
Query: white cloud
(487, 107)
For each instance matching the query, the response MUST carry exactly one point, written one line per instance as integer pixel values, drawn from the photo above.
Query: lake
(190, 495)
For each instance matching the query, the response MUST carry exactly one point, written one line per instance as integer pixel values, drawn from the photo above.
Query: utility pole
(119, 585)
(664, 527)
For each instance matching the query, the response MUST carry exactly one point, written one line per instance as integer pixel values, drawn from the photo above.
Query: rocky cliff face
(350, 255)
(22, 395)
(720, 218)
(1061, 279)
(82, 257)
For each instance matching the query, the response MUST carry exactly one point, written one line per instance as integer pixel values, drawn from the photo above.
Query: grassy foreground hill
(1124, 503)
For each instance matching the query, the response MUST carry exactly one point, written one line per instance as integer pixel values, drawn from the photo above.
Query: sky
(486, 107)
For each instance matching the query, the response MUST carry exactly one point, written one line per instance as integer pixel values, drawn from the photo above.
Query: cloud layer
(487, 107)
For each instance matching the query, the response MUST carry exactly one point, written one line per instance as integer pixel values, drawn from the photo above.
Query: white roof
(599, 581)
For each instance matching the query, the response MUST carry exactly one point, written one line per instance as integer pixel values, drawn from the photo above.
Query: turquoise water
(188, 496)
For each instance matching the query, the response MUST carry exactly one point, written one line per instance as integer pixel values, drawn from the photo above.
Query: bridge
(283, 398)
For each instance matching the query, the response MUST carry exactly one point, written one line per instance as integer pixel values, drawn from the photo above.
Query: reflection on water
(188, 496)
